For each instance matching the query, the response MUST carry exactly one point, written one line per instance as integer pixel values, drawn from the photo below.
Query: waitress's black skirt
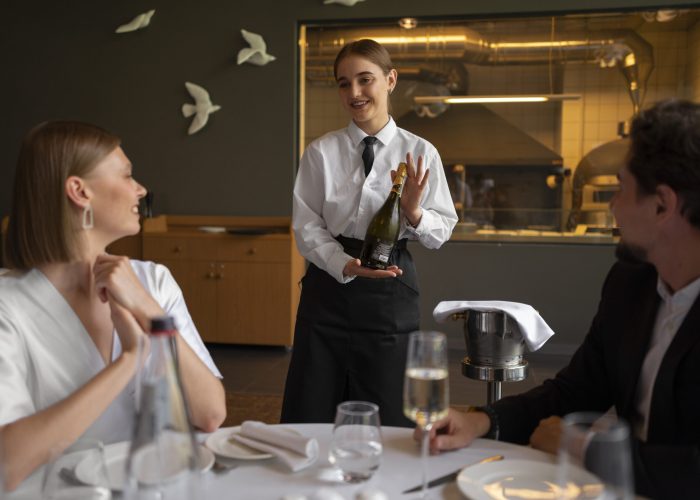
(350, 342)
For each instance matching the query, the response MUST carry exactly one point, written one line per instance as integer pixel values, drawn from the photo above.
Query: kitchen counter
(468, 232)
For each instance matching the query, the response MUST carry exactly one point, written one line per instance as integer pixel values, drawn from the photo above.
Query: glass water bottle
(163, 455)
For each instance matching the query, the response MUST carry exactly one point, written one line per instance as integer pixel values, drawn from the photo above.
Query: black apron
(350, 341)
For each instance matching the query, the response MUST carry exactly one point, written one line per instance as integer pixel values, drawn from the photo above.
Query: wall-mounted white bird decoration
(202, 107)
(347, 3)
(257, 53)
(137, 23)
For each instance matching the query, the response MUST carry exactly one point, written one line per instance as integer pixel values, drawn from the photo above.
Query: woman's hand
(355, 268)
(131, 334)
(115, 279)
(416, 181)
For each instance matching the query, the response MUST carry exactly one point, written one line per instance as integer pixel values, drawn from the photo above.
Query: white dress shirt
(332, 196)
(672, 312)
(46, 354)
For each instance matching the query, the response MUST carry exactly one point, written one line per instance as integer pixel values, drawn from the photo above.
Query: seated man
(642, 352)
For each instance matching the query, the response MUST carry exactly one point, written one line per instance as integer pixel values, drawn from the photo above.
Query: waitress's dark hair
(44, 226)
(370, 50)
(665, 149)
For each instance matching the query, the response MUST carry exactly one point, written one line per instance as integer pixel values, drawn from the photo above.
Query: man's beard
(627, 252)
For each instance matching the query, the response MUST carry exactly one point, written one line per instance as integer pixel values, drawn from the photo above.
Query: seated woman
(72, 317)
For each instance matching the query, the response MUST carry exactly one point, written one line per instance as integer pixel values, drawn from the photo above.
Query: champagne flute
(425, 389)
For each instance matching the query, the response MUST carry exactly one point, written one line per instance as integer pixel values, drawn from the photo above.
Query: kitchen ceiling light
(493, 99)
(408, 23)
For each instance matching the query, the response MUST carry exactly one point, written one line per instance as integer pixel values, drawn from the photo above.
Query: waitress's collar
(385, 135)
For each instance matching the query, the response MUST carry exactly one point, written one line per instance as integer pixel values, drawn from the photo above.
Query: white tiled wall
(694, 62)
(605, 101)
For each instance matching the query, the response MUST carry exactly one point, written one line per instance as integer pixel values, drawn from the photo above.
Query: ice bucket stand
(494, 350)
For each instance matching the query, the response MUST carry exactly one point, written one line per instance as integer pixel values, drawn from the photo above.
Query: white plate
(521, 479)
(115, 461)
(212, 229)
(220, 442)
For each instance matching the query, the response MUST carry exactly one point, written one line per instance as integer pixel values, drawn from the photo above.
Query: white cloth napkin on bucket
(534, 329)
(296, 451)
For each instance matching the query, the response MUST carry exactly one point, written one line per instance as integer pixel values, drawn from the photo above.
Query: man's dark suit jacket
(604, 372)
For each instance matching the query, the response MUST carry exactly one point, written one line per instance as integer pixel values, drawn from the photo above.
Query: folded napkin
(534, 329)
(297, 451)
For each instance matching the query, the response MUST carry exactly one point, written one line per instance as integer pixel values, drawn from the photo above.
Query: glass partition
(529, 114)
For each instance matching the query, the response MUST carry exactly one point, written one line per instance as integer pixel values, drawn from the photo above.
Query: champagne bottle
(383, 230)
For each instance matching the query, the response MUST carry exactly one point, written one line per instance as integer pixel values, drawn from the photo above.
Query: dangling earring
(88, 217)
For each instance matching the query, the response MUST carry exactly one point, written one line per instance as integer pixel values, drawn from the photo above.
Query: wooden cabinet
(240, 288)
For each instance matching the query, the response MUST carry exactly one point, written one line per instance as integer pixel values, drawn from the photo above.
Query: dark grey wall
(562, 282)
(61, 59)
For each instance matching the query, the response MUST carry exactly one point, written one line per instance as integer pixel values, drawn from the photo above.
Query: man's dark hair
(665, 149)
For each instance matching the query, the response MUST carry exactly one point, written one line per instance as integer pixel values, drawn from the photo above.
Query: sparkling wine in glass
(426, 388)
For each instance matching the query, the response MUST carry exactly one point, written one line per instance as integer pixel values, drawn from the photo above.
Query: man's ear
(667, 201)
(77, 191)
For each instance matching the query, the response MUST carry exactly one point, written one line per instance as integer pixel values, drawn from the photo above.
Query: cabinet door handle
(219, 276)
(177, 249)
(211, 275)
(252, 251)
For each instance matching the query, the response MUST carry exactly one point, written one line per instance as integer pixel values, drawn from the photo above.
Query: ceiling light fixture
(493, 99)
(408, 23)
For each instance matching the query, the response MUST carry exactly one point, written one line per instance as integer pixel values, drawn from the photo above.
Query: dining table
(399, 470)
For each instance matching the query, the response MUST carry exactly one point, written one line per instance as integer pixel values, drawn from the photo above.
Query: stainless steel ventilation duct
(438, 49)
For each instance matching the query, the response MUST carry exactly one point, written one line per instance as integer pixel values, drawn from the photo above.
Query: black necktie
(368, 153)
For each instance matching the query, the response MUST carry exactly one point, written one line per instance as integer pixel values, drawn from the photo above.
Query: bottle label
(382, 252)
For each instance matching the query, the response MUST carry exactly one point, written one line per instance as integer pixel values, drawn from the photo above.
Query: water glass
(595, 458)
(356, 447)
(60, 481)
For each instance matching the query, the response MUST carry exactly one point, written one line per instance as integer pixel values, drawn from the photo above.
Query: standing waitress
(352, 323)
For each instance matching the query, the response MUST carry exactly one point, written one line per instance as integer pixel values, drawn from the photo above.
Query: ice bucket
(493, 339)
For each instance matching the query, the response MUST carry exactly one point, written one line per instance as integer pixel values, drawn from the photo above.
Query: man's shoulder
(631, 275)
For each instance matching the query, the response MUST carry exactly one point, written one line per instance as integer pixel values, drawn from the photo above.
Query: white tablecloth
(400, 469)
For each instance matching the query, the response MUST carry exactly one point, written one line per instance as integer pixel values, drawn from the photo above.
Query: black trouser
(350, 342)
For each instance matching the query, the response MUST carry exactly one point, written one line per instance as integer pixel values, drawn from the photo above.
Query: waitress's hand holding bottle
(355, 268)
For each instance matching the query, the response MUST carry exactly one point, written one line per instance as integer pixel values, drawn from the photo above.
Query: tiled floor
(263, 370)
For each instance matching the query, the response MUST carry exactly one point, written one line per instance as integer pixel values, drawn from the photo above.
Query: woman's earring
(88, 217)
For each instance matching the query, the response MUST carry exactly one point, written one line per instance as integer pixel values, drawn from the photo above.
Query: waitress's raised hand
(355, 268)
(115, 279)
(416, 181)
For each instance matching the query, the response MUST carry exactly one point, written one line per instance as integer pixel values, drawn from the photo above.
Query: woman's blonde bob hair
(44, 226)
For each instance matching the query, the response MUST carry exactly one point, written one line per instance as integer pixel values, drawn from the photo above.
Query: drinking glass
(60, 480)
(598, 444)
(356, 447)
(425, 389)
